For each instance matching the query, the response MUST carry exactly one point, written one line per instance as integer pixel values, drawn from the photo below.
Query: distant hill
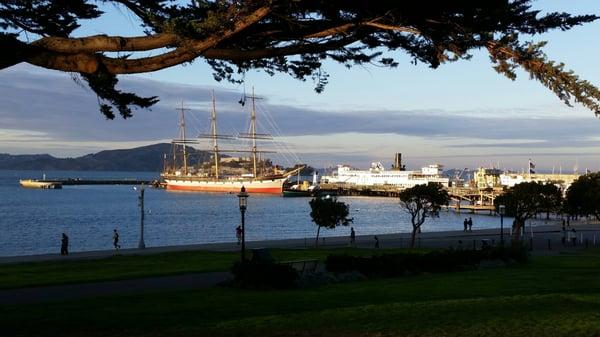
(145, 158)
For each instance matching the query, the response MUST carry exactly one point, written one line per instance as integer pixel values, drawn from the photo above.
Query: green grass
(128, 267)
(551, 296)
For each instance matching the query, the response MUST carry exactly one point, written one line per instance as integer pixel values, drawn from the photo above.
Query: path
(541, 235)
(96, 289)
(546, 240)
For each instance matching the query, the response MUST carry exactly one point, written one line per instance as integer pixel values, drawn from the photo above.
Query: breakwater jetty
(58, 183)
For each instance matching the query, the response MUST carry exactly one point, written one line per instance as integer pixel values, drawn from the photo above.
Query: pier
(469, 199)
(358, 190)
(78, 181)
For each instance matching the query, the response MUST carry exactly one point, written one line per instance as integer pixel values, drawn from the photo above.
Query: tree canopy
(583, 196)
(329, 213)
(527, 199)
(422, 202)
(276, 36)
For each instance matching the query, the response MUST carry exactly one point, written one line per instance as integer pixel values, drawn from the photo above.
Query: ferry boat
(263, 178)
(378, 175)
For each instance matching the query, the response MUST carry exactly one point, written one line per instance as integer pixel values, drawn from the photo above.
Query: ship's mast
(213, 132)
(253, 132)
(182, 136)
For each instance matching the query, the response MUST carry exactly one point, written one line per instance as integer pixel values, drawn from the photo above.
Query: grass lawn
(550, 296)
(128, 267)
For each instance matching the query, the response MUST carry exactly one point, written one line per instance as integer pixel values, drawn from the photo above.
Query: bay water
(32, 220)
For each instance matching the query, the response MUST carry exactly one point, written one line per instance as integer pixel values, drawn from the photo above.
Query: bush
(264, 275)
(442, 261)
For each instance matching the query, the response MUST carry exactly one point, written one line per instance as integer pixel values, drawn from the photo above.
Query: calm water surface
(32, 220)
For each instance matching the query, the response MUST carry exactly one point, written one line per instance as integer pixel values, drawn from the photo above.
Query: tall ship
(225, 173)
(397, 176)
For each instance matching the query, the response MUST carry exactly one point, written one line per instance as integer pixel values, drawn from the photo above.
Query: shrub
(263, 275)
(441, 261)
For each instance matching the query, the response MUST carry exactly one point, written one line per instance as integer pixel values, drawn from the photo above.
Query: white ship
(397, 176)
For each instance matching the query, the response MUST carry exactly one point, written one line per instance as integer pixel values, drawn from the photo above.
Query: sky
(462, 114)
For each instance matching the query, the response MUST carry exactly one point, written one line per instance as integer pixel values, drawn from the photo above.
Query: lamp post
(141, 244)
(243, 199)
(501, 210)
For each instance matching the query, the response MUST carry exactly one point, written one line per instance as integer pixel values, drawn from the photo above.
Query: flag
(531, 167)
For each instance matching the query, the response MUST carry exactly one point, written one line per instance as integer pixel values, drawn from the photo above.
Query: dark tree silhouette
(525, 200)
(292, 37)
(328, 213)
(583, 196)
(422, 202)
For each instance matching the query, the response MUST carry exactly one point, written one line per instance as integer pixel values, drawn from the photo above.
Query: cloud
(42, 106)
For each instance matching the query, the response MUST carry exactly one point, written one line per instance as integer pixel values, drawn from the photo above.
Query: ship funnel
(398, 162)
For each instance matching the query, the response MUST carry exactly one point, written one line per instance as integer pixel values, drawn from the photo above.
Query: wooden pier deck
(471, 208)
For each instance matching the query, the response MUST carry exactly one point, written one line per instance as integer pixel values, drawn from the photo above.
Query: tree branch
(189, 50)
(104, 43)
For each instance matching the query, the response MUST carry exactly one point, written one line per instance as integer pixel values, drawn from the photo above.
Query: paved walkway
(545, 240)
(97, 289)
(541, 235)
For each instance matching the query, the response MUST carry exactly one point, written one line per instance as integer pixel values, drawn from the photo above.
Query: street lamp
(243, 198)
(501, 210)
(141, 245)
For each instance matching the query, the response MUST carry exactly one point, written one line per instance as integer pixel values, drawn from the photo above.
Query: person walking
(376, 241)
(466, 225)
(238, 234)
(64, 244)
(470, 223)
(116, 240)
(352, 236)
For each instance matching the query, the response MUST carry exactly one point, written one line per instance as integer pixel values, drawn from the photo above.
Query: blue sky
(461, 115)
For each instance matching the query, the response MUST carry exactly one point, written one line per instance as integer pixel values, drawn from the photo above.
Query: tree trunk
(413, 236)
(317, 241)
(517, 228)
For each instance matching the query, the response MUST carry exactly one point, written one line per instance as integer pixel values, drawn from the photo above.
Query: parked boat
(31, 183)
(302, 188)
(255, 174)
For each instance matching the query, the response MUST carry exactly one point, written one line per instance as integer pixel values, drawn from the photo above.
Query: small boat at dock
(31, 183)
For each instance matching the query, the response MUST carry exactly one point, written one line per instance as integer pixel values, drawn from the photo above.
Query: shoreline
(544, 238)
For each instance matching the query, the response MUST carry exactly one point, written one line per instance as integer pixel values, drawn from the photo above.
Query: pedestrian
(573, 236)
(352, 236)
(376, 241)
(64, 244)
(465, 224)
(238, 234)
(116, 240)
(470, 223)
(568, 221)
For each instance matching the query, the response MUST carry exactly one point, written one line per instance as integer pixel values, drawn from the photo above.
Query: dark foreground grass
(551, 296)
(128, 267)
